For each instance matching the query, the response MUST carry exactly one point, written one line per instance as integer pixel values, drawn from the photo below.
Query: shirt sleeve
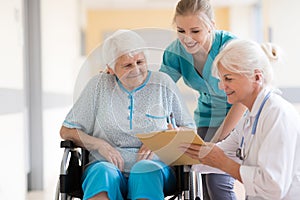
(82, 114)
(231, 143)
(171, 64)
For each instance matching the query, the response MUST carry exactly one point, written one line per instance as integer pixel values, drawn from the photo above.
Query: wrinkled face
(238, 87)
(193, 33)
(131, 69)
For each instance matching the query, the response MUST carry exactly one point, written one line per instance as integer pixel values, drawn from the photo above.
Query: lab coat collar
(258, 101)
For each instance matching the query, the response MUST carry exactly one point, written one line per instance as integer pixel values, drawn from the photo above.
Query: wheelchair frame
(189, 183)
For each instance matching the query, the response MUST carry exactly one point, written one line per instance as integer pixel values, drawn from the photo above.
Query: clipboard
(165, 145)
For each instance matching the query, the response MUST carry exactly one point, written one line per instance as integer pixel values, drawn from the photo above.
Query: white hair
(119, 43)
(245, 56)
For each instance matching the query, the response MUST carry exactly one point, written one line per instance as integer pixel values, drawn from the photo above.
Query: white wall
(13, 168)
(60, 44)
(60, 64)
(245, 28)
(11, 75)
(283, 20)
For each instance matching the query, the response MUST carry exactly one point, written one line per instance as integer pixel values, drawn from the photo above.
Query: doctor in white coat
(263, 151)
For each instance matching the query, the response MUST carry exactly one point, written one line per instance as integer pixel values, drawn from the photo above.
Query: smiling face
(193, 33)
(238, 87)
(131, 70)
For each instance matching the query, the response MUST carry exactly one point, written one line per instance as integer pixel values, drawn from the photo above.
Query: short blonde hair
(202, 8)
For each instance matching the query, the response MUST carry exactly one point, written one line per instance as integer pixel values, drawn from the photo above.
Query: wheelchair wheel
(60, 196)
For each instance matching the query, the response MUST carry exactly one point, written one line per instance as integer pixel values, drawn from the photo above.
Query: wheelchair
(189, 184)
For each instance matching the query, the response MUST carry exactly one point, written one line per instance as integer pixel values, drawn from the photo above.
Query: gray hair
(245, 56)
(202, 8)
(119, 43)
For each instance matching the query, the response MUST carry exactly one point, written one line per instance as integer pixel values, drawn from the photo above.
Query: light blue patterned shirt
(106, 110)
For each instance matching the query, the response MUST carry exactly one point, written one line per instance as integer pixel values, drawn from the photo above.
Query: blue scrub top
(212, 102)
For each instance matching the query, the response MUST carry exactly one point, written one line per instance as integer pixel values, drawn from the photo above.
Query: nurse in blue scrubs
(190, 57)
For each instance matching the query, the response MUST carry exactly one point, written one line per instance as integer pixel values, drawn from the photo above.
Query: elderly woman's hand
(145, 153)
(111, 154)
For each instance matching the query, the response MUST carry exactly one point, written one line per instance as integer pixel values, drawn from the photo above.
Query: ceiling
(97, 4)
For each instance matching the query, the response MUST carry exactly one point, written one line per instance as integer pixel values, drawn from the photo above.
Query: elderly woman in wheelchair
(111, 109)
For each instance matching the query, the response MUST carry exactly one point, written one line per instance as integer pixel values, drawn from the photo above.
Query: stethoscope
(240, 152)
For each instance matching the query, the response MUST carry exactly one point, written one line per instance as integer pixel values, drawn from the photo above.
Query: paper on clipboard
(165, 145)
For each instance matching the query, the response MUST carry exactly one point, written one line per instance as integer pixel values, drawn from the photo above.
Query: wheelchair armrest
(67, 144)
(71, 170)
(70, 150)
(74, 151)
(70, 146)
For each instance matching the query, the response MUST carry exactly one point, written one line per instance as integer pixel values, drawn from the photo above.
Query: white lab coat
(271, 169)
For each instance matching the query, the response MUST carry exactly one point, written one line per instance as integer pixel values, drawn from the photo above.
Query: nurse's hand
(145, 153)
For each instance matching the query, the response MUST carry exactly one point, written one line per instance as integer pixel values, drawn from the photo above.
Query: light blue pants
(147, 179)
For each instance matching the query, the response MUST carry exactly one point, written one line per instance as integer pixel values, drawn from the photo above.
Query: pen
(172, 120)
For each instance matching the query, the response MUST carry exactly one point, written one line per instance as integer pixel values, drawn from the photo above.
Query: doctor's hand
(209, 154)
(145, 153)
(213, 156)
(111, 154)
